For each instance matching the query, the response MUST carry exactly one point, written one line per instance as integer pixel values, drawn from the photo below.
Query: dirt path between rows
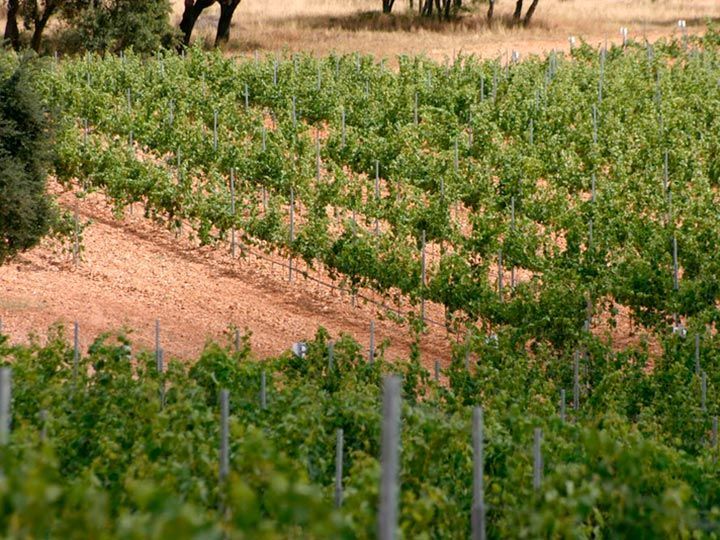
(133, 271)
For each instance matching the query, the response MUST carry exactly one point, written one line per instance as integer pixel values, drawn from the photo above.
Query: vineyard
(532, 201)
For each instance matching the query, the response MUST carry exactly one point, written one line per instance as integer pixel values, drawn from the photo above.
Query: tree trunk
(40, 25)
(518, 10)
(491, 10)
(530, 12)
(447, 9)
(387, 5)
(427, 8)
(12, 33)
(227, 10)
(193, 9)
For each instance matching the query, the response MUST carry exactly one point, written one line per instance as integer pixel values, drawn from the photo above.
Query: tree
(193, 10)
(530, 12)
(35, 16)
(387, 5)
(26, 212)
(445, 8)
(517, 13)
(115, 25)
(12, 33)
(227, 10)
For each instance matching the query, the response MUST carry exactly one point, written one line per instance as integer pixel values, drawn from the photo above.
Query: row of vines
(546, 190)
(107, 446)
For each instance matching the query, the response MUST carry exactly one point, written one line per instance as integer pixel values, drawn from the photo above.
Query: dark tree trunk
(12, 33)
(491, 10)
(447, 9)
(193, 9)
(530, 12)
(518, 10)
(387, 5)
(439, 9)
(427, 9)
(227, 10)
(40, 25)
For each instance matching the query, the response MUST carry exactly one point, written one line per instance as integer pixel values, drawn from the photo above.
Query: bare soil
(133, 272)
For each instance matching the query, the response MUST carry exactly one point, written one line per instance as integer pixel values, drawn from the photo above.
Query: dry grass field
(323, 26)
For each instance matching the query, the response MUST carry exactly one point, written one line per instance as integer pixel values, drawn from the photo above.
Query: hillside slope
(133, 271)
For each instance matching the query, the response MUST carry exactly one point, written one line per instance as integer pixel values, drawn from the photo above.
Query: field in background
(323, 26)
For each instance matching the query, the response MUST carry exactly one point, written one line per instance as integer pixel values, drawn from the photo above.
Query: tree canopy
(26, 213)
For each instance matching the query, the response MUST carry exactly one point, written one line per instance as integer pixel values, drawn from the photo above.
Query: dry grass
(323, 26)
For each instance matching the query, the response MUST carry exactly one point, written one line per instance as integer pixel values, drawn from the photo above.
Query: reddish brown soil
(133, 271)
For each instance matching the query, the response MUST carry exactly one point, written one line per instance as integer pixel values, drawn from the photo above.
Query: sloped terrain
(133, 271)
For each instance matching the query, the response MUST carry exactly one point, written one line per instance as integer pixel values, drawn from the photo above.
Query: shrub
(116, 25)
(26, 212)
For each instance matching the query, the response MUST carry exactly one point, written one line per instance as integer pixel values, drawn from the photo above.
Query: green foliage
(26, 212)
(111, 26)
(98, 451)
(501, 161)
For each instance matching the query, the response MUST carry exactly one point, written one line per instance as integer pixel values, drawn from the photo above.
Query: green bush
(26, 212)
(116, 25)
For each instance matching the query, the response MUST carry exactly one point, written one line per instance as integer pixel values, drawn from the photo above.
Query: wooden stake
(389, 459)
(478, 504)
(537, 459)
(263, 392)
(576, 381)
(224, 436)
(232, 211)
(5, 401)
(339, 469)
(76, 350)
